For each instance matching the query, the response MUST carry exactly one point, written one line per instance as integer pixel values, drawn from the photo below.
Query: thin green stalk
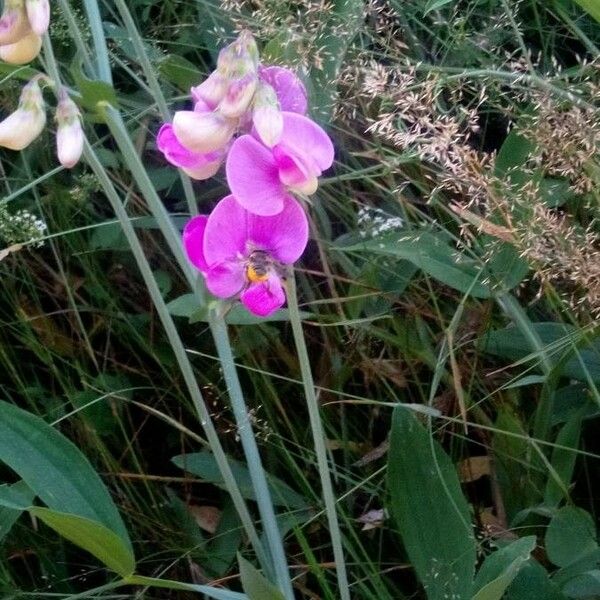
(103, 70)
(156, 90)
(162, 216)
(257, 474)
(179, 351)
(318, 439)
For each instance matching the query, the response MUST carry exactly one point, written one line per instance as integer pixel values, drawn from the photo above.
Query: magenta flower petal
(284, 236)
(226, 279)
(253, 177)
(193, 241)
(290, 91)
(226, 232)
(305, 138)
(264, 298)
(195, 164)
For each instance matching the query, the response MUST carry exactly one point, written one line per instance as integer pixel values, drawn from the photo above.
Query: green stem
(179, 351)
(103, 70)
(156, 90)
(318, 438)
(257, 474)
(76, 36)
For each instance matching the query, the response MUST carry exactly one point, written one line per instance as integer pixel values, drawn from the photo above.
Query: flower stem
(257, 474)
(318, 438)
(180, 353)
(103, 70)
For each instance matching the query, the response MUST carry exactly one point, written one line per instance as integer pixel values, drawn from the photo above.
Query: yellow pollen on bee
(254, 276)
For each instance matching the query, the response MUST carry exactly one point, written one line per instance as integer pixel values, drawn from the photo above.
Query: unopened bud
(21, 127)
(266, 115)
(69, 133)
(238, 96)
(202, 132)
(38, 14)
(212, 90)
(23, 51)
(14, 24)
(239, 58)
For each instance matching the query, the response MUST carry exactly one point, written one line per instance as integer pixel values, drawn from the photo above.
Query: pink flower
(290, 91)
(242, 253)
(196, 164)
(262, 178)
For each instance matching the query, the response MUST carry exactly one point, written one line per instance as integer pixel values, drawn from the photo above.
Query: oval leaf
(98, 540)
(430, 510)
(55, 470)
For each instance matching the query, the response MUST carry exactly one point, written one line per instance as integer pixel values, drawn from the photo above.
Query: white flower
(69, 134)
(23, 51)
(38, 14)
(21, 127)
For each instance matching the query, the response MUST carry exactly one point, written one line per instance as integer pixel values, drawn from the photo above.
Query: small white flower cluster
(21, 227)
(373, 222)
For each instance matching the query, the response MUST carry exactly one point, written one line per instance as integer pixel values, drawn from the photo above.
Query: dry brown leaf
(472, 469)
(207, 517)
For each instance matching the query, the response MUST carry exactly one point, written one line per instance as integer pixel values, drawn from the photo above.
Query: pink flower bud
(202, 132)
(69, 133)
(238, 96)
(211, 91)
(14, 24)
(38, 13)
(23, 51)
(21, 127)
(266, 116)
(239, 58)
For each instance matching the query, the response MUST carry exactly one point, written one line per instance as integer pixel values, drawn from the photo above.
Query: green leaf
(432, 253)
(558, 339)
(179, 71)
(255, 584)
(500, 569)
(586, 585)
(563, 461)
(55, 470)
(434, 5)
(19, 495)
(210, 592)
(204, 465)
(430, 510)
(97, 539)
(590, 6)
(183, 306)
(92, 92)
(533, 583)
(343, 21)
(571, 535)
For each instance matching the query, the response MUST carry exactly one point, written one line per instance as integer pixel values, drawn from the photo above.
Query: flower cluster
(22, 24)
(26, 123)
(252, 117)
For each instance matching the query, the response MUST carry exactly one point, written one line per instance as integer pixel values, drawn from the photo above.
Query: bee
(258, 267)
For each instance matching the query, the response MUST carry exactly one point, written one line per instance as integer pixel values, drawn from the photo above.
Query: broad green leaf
(430, 510)
(533, 583)
(97, 539)
(204, 465)
(558, 339)
(256, 586)
(512, 156)
(210, 592)
(563, 461)
(19, 495)
(435, 4)
(571, 535)
(585, 564)
(586, 585)
(500, 568)
(343, 21)
(92, 92)
(55, 470)
(432, 253)
(590, 6)
(183, 306)
(180, 71)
